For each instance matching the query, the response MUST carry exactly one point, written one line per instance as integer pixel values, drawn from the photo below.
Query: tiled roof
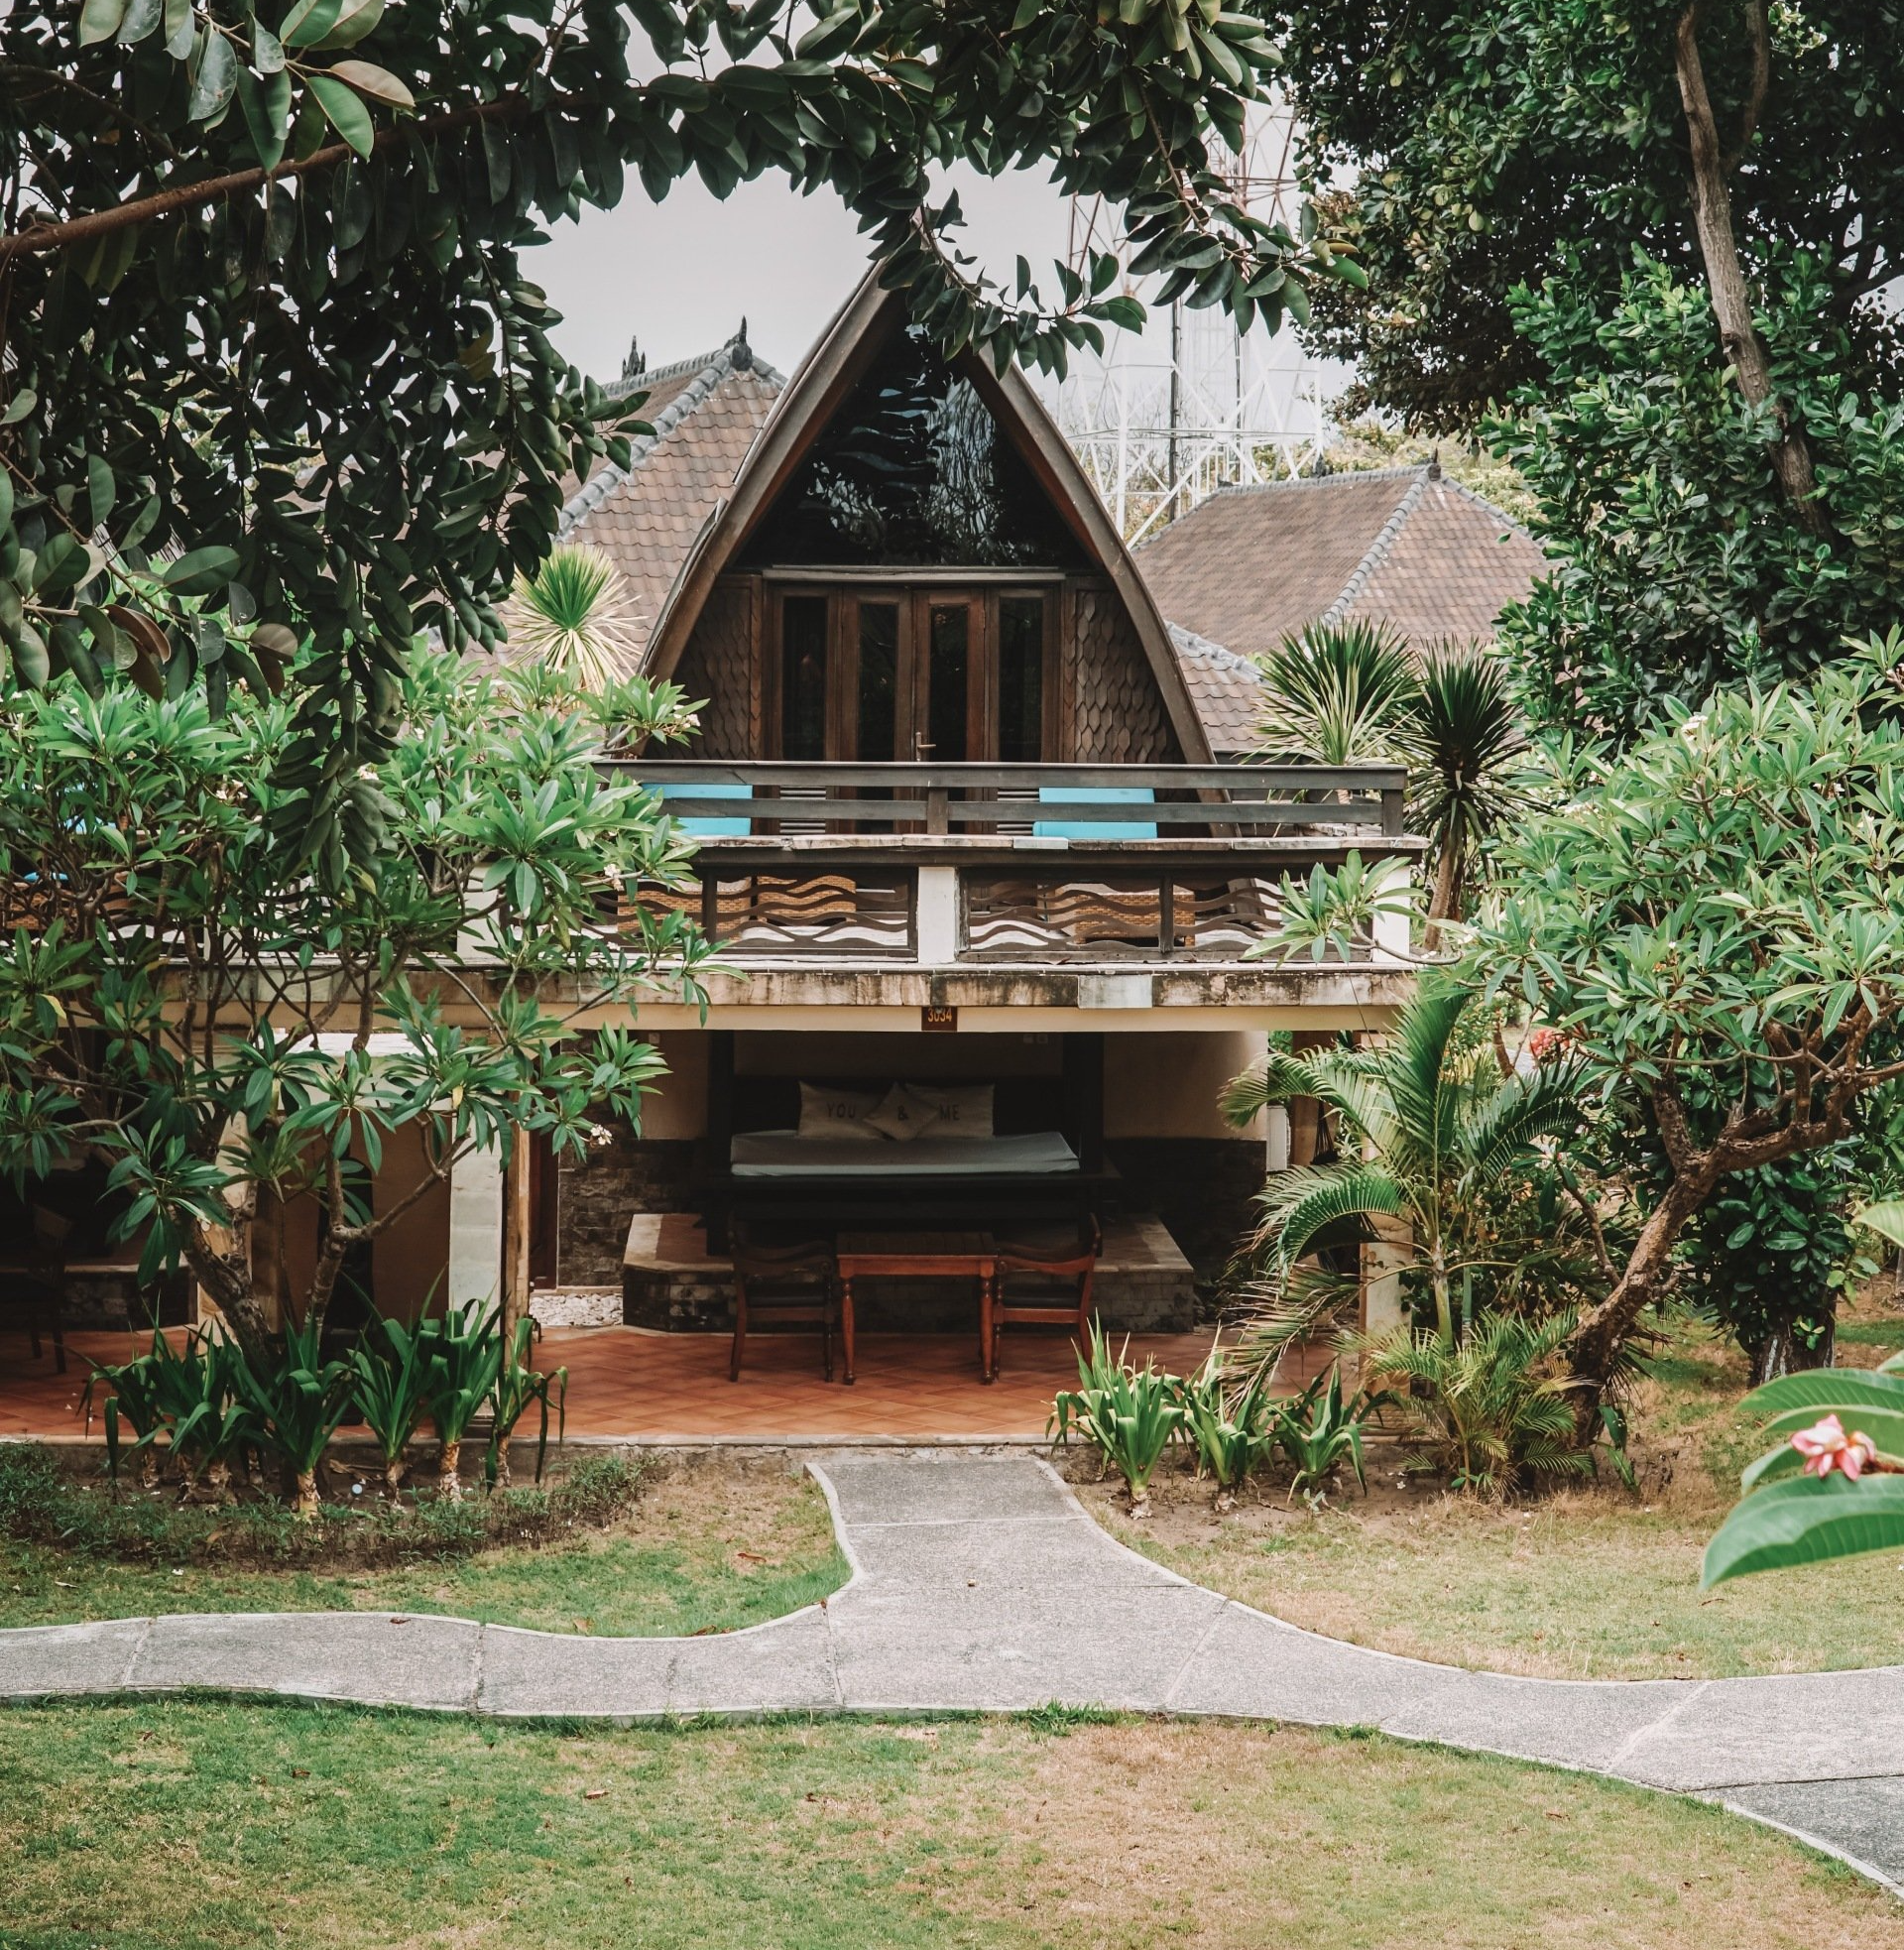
(705, 413)
(1226, 689)
(1403, 545)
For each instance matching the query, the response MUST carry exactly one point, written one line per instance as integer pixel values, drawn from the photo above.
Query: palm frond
(1302, 1304)
(1299, 1205)
(1501, 1128)
(1426, 1095)
(1340, 1080)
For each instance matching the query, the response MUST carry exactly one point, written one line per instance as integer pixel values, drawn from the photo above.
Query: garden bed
(681, 1546)
(215, 1826)
(1580, 1583)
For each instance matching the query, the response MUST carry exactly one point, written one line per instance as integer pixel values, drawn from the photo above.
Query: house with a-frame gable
(967, 840)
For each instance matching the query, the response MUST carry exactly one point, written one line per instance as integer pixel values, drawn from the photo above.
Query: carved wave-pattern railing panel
(1024, 916)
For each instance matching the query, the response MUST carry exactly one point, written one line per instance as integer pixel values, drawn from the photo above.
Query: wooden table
(917, 1256)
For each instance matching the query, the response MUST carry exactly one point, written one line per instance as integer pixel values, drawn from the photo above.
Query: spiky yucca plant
(1353, 693)
(574, 615)
(1337, 693)
(1464, 748)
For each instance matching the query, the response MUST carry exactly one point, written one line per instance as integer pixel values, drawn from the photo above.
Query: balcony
(1011, 865)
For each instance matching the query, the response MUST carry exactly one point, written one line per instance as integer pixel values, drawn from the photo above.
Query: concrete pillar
(1382, 1259)
(1392, 939)
(475, 1230)
(938, 916)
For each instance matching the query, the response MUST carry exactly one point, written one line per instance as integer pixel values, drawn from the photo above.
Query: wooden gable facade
(912, 567)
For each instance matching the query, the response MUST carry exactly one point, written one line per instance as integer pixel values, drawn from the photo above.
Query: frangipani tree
(181, 1000)
(1715, 923)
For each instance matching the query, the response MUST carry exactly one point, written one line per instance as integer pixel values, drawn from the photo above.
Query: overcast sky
(680, 275)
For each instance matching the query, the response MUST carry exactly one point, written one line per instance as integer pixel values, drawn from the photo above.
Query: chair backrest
(1077, 1253)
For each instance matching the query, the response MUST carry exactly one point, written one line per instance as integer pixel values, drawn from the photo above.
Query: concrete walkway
(980, 1583)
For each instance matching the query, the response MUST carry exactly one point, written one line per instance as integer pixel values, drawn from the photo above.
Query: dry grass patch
(221, 1827)
(1581, 1583)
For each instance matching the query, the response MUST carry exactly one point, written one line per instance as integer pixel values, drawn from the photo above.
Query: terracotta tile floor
(625, 1382)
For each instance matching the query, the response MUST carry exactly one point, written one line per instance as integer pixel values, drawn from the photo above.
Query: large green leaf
(1885, 1218)
(99, 19)
(1846, 1391)
(344, 111)
(1808, 1521)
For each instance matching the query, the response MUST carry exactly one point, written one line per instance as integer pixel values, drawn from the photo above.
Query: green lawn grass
(1593, 1584)
(709, 1548)
(202, 1826)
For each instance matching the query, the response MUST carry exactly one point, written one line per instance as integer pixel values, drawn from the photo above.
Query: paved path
(980, 1583)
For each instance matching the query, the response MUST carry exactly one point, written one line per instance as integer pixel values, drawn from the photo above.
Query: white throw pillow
(829, 1113)
(965, 1109)
(905, 1115)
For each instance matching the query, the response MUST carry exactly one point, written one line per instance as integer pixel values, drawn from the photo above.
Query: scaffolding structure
(1167, 417)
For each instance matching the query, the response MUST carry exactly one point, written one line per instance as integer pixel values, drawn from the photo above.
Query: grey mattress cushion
(787, 1154)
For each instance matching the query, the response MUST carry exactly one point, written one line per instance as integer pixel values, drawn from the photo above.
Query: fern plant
(1490, 1409)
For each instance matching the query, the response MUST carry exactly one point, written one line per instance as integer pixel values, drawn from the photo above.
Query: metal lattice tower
(1167, 417)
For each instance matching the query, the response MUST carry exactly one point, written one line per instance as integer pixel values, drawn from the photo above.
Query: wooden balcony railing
(932, 865)
(1234, 800)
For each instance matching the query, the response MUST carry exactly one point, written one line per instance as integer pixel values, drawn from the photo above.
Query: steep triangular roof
(816, 391)
(1401, 546)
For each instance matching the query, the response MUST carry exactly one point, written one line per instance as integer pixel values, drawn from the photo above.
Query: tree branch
(42, 237)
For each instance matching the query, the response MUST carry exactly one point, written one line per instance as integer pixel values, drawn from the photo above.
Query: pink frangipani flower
(1826, 1447)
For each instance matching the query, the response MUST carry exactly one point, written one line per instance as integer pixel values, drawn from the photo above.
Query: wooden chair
(35, 1286)
(1044, 1282)
(795, 1282)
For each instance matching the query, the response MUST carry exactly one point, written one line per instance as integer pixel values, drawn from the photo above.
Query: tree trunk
(1441, 904)
(501, 1460)
(1772, 1357)
(1725, 278)
(393, 1475)
(1601, 1336)
(450, 1485)
(304, 1503)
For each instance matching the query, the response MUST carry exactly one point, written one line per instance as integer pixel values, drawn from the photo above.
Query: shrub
(464, 1365)
(389, 1379)
(1233, 1427)
(297, 1402)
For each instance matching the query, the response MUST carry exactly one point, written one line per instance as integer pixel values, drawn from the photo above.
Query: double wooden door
(948, 677)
